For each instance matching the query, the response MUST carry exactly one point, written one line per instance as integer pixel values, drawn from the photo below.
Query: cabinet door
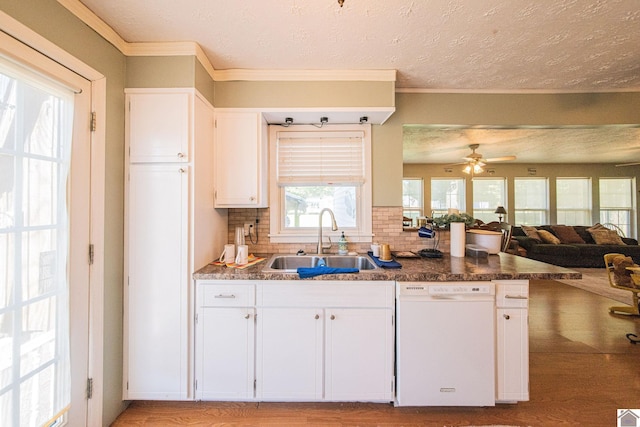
(156, 297)
(359, 355)
(289, 356)
(240, 154)
(158, 127)
(225, 353)
(512, 340)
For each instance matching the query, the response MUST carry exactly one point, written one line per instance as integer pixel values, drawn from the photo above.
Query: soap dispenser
(342, 245)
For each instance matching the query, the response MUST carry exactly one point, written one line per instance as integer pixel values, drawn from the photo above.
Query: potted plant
(445, 220)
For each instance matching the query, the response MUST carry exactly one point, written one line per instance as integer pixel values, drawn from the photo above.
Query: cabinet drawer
(226, 295)
(512, 293)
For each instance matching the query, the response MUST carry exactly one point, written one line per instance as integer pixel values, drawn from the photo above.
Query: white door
(289, 356)
(45, 204)
(237, 171)
(512, 339)
(156, 333)
(159, 125)
(359, 355)
(225, 365)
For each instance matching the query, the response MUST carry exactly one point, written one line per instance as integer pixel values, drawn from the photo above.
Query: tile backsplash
(387, 228)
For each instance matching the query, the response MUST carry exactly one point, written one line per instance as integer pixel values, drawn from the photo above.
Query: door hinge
(254, 384)
(89, 388)
(91, 253)
(196, 320)
(93, 121)
(196, 384)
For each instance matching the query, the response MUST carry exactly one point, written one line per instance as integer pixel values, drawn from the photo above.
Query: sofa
(573, 246)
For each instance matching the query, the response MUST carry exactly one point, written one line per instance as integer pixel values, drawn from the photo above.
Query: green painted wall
(275, 94)
(58, 25)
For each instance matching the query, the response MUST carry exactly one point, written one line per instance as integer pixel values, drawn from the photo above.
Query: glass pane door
(36, 118)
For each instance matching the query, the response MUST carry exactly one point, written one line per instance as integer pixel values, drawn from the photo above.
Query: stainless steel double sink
(281, 263)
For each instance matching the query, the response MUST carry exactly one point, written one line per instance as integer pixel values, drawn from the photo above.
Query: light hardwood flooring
(582, 369)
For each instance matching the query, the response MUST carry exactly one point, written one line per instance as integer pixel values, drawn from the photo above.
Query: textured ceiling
(441, 45)
(571, 144)
(550, 45)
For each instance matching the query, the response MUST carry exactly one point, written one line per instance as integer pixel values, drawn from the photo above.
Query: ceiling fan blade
(628, 164)
(500, 159)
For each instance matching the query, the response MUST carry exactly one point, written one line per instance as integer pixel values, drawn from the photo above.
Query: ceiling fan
(474, 161)
(628, 164)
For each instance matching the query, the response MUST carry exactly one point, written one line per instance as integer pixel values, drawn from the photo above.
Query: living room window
(616, 202)
(573, 201)
(412, 198)
(531, 204)
(312, 169)
(447, 194)
(488, 194)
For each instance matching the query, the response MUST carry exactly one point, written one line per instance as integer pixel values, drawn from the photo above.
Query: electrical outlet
(247, 227)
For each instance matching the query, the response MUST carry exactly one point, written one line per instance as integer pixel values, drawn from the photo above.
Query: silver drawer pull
(515, 297)
(225, 296)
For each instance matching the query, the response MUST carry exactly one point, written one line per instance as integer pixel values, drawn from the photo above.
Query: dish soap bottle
(342, 245)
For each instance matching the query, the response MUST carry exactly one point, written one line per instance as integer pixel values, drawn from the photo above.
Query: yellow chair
(633, 309)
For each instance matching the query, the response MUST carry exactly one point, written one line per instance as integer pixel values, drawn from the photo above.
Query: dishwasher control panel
(446, 288)
(461, 289)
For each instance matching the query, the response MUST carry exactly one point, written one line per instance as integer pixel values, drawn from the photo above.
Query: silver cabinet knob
(333, 317)
(180, 155)
(506, 316)
(181, 170)
(246, 316)
(317, 316)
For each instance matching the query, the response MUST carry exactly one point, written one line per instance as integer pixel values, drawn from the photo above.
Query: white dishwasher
(445, 341)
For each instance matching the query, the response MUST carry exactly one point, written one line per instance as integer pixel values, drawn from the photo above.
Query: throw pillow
(596, 226)
(547, 237)
(531, 232)
(622, 276)
(566, 234)
(604, 236)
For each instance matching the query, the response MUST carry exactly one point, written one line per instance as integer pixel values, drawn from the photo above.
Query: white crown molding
(304, 75)
(93, 21)
(192, 48)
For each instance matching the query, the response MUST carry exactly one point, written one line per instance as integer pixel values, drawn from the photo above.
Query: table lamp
(500, 210)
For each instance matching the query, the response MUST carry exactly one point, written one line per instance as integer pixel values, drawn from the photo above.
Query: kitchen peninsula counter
(495, 267)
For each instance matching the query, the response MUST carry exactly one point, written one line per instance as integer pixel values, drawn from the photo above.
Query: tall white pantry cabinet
(171, 230)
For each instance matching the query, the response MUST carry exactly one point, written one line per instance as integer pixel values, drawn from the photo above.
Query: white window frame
(439, 211)
(489, 211)
(363, 230)
(415, 211)
(629, 211)
(527, 209)
(587, 212)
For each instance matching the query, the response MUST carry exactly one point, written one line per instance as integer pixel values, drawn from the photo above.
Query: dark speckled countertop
(495, 267)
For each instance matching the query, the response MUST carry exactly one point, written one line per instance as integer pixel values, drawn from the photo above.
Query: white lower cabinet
(359, 354)
(512, 341)
(289, 363)
(225, 342)
(326, 341)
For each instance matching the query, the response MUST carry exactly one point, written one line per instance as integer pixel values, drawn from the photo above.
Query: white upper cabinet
(241, 168)
(159, 123)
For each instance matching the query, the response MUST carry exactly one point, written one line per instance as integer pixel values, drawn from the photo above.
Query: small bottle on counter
(342, 245)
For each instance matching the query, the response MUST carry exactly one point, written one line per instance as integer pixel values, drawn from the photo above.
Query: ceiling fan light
(467, 169)
(477, 169)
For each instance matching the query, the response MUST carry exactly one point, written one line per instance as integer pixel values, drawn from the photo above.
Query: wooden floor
(582, 369)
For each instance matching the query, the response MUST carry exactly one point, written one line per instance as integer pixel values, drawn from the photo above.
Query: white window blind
(327, 158)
